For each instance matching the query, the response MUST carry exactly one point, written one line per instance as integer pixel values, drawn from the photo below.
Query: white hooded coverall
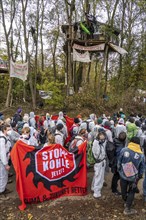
(99, 153)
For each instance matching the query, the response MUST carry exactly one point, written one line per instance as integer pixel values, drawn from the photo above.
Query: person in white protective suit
(99, 153)
(64, 129)
(26, 136)
(5, 145)
(59, 135)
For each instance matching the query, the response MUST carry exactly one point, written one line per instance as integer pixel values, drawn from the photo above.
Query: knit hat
(19, 110)
(121, 121)
(76, 120)
(99, 121)
(138, 123)
(135, 140)
(122, 116)
(131, 119)
(59, 127)
(107, 124)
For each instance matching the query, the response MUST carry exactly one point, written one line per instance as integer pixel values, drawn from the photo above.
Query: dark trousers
(128, 192)
(115, 179)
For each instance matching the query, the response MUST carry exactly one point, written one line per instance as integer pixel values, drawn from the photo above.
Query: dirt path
(73, 208)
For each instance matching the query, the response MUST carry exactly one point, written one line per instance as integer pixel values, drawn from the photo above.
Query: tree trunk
(36, 52)
(27, 51)
(88, 73)
(122, 37)
(96, 72)
(69, 11)
(101, 71)
(7, 34)
(54, 66)
(106, 72)
(41, 37)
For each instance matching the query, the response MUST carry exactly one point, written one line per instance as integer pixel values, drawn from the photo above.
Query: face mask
(25, 136)
(9, 132)
(101, 141)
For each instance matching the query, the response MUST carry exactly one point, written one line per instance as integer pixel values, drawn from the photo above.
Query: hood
(92, 117)
(31, 114)
(131, 127)
(25, 118)
(135, 147)
(60, 115)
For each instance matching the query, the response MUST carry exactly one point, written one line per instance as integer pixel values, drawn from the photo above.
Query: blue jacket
(131, 155)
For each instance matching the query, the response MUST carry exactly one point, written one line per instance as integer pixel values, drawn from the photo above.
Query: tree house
(89, 36)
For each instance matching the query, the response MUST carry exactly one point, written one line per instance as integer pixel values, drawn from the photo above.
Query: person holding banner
(78, 139)
(51, 140)
(27, 138)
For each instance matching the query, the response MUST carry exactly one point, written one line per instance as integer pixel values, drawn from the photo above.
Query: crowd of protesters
(126, 134)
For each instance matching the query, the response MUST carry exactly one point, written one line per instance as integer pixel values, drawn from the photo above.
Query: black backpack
(110, 152)
(87, 122)
(42, 136)
(144, 147)
(20, 125)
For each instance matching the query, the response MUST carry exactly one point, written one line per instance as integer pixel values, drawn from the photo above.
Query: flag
(98, 47)
(81, 57)
(48, 173)
(69, 124)
(19, 70)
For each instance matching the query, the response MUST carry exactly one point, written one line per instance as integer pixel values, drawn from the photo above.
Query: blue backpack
(20, 125)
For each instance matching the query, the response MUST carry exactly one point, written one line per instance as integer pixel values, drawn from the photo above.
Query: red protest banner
(69, 124)
(48, 173)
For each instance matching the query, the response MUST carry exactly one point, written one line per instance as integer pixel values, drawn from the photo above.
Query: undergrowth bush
(87, 100)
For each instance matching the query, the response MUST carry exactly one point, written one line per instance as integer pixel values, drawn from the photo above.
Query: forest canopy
(31, 31)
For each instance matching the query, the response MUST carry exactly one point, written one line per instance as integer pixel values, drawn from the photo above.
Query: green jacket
(132, 130)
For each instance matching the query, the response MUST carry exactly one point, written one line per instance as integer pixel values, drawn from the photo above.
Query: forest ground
(73, 207)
